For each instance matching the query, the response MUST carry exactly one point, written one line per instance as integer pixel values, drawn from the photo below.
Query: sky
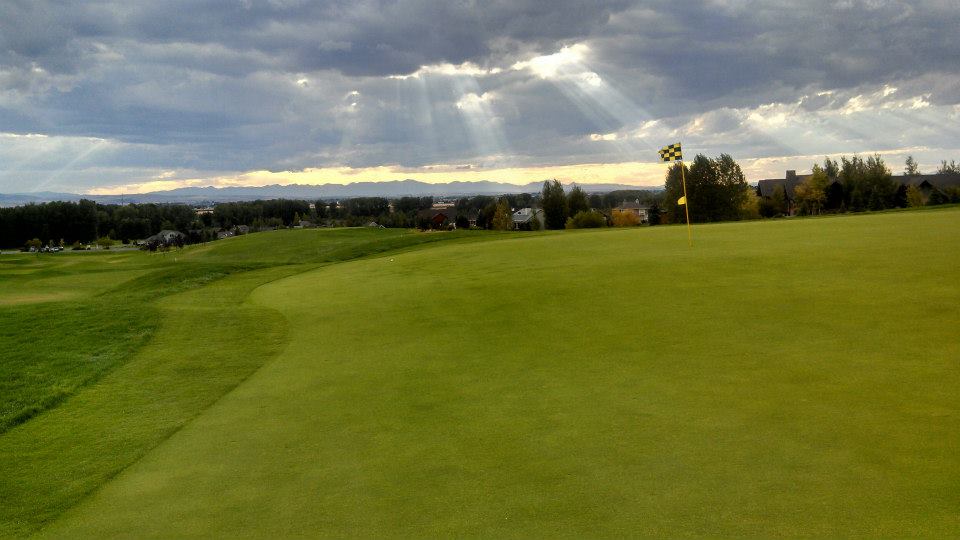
(105, 96)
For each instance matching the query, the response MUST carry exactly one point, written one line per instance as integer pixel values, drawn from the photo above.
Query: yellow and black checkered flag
(671, 153)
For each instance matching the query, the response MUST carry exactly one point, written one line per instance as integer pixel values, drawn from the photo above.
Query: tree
(653, 214)
(716, 189)
(33, 244)
(937, 197)
(948, 168)
(554, 203)
(577, 201)
(586, 219)
(751, 206)
(910, 167)
(105, 242)
(851, 176)
(673, 190)
(534, 223)
(811, 194)
(881, 189)
(486, 214)
(776, 205)
(462, 221)
(596, 201)
(502, 218)
(914, 197)
(830, 168)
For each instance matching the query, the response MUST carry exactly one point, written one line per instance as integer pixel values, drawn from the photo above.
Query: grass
(790, 378)
(59, 331)
(92, 384)
(69, 318)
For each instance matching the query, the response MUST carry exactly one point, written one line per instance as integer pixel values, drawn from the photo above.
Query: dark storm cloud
(239, 84)
(355, 37)
(740, 53)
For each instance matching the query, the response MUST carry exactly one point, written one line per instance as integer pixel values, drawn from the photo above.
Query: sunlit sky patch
(104, 96)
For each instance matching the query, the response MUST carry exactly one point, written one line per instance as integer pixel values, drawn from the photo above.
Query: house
(472, 216)
(523, 217)
(165, 238)
(766, 188)
(436, 218)
(927, 183)
(641, 211)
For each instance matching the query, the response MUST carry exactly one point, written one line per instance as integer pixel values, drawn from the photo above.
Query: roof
(524, 215)
(165, 235)
(624, 205)
(936, 180)
(940, 181)
(768, 186)
(449, 213)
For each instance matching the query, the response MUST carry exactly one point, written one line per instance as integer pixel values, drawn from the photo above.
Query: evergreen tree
(554, 203)
(653, 214)
(577, 201)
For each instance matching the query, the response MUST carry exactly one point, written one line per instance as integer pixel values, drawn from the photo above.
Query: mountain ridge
(388, 189)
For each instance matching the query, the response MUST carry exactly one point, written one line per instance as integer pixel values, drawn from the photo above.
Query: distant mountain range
(391, 189)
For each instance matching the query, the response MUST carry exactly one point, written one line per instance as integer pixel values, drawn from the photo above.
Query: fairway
(790, 377)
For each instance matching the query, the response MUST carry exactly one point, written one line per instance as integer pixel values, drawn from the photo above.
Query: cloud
(221, 86)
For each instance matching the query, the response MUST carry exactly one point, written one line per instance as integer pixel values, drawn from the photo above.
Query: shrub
(105, 242)
(590, 219)
(623, 218)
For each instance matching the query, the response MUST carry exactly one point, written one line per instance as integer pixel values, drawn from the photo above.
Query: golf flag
(671, 153)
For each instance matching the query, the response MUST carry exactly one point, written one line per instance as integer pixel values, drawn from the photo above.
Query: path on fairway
(788, 378)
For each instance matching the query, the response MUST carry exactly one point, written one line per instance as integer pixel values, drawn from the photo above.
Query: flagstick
(686, 207)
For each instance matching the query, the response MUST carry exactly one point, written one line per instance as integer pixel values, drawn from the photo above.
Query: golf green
(792, 377)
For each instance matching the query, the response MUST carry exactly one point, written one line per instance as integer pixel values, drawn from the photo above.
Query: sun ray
(476, 112)
(68, 166)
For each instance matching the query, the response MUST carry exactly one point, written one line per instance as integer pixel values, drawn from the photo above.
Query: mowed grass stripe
(781, 378)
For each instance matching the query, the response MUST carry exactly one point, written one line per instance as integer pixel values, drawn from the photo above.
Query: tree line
(716, 191)
(85, 221)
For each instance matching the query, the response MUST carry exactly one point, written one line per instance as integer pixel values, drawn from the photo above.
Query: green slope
(780, 378)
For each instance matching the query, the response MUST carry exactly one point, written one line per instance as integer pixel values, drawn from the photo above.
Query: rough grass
(64, 321)
(789, 378)
(134, 359)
